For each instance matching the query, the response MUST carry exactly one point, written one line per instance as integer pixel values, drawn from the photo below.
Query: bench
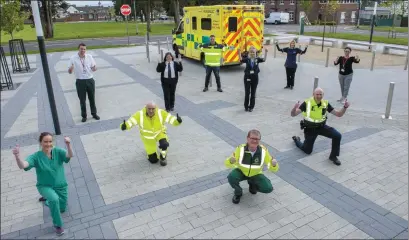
(285, 39)
(386, 49)
(333, 42)
(347, 43)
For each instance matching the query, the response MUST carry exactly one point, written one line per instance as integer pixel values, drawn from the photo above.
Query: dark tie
(169, 72)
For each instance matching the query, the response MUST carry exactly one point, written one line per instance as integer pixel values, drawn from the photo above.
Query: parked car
(277, 18)
(163, 17)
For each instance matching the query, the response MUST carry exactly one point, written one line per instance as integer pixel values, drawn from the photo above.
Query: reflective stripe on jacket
(315, 113)
(150, 128)
(213, 54)
(251, 165)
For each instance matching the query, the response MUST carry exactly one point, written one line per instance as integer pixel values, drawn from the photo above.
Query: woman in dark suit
(251, 76)
(169, 76)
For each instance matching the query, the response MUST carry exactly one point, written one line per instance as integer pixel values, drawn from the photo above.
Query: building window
(272, 2)
(194, 23)
(81, 16)
(291, 16)
(281, 2)
(206, 23)
(232, 24)
(323, 1)
(292, 2)
(353, 14)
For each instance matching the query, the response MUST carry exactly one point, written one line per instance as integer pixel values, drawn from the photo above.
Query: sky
(81, 3)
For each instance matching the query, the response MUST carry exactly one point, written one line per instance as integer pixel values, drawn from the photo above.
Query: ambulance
(235, 26)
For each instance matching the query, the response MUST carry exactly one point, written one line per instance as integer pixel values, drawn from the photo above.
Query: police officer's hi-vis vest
(315, 113)
(251, 165)
(213, 54)
(150, 128)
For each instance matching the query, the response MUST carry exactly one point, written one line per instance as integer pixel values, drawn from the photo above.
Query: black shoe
(291, 87)
(205, 89)
(335, 160)
(84, 119)
(42, 199)
(246, 109)
(219, 90)
(167, 110)
(96, 117)
(286, 87)
(236, 199)
(252, 189)
(172, 109)
(296, 139)
(250, 110)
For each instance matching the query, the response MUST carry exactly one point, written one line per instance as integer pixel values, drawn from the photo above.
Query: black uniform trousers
(311, 134)
(290, 76)
(250, 87)
(84, 87)
(169, 90)
(216, 71)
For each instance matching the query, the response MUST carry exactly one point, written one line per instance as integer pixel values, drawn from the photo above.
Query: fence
(18, 55)
(5, 77)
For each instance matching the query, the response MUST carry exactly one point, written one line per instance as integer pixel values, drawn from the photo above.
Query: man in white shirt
(83, 65)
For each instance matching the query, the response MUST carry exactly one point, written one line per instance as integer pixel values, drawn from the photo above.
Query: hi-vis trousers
(151, 147)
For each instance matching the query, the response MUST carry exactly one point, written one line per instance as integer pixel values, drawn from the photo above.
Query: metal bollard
(275, 49)
(161, 55)
(299, 56)
(158, 46)
(389, 102)
(406, 62)
(147, 50)
(315, 83)
(326, 61)
(373, 60)
(167, 43)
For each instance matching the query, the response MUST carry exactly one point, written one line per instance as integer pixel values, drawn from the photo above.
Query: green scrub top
(50, 172)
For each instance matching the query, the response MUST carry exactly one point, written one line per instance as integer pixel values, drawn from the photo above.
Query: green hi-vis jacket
(213, 54)
(251, 165)
(314, 113)
(150, 128)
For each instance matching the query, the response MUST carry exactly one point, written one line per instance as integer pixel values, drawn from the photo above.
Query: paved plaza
(114, 192)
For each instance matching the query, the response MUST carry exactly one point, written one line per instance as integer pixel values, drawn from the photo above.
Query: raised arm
(69, 153)
(278, 47)
(22, 164)
(132, 122)
(356, 59)
(271, 163)
(175, 121)
(93, 64)
(341, 112)
(296, 109)
(337, 61)
(231, 161)
(305, 50)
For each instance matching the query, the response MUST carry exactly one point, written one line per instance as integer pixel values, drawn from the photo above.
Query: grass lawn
(269, 35)
(386, 29)
(76, 49)
(91, 30)
(358, 37)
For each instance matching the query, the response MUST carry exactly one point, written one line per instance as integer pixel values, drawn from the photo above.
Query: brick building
(346, 14)
(88, 13)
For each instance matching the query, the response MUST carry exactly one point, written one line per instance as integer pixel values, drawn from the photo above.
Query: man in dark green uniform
(248, 161)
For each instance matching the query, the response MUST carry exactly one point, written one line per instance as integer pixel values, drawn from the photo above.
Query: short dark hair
(212, 35)
(348, 49)
(44, 134)
(254, 132)
(81, 45)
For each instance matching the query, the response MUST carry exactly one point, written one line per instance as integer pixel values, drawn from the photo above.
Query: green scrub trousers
(261, 182)
(51, 182)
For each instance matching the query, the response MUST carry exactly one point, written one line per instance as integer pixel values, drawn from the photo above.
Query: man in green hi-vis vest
(213, 53)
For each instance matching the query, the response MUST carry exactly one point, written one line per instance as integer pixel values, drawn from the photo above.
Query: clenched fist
(178, 118)
(274, 162)
(16, 150)
(67, 140)
(232, 160)
(123, 126)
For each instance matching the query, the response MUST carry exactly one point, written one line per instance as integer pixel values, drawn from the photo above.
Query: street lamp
(44, 62)
(372, 24)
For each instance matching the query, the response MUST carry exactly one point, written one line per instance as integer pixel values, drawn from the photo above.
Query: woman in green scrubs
(51, 182)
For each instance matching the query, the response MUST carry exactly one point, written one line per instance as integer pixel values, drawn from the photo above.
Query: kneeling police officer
(315, 111)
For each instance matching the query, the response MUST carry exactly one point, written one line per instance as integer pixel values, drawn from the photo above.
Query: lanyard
(344, 61)
(82, 60)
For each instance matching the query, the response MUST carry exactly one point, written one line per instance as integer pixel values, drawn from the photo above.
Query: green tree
(306, 6)
(11, 17)
(330, 8)
(397, 7)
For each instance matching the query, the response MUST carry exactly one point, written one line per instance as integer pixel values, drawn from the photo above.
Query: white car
(277, 18)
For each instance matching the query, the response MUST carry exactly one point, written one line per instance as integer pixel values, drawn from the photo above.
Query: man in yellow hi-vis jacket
(248, 161)
(151, 122)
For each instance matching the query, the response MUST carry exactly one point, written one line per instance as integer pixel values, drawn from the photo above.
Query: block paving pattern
(115, 193)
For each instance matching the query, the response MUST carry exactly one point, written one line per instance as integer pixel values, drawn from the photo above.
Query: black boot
(252, 188)
(236, 199)
(335, 160)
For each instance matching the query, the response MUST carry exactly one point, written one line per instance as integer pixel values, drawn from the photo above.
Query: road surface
(272, 29)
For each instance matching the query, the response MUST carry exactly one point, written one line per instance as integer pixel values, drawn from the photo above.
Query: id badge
(342, 70)
(84, 71)
(248, 79)
(251, 71)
